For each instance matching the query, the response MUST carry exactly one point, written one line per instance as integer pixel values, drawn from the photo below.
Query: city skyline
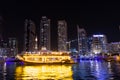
(94, 17)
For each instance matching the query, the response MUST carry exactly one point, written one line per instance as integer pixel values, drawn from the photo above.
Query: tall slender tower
(82, 41)
(62, 35)
(45, 40)
(29, 38)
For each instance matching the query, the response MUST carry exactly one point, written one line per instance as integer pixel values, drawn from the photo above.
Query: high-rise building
(62, 35)
(45, 34)
(99, 44)
(30, 34)
(13, 45)
(82, 41)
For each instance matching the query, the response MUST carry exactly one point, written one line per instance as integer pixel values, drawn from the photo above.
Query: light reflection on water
(84, 70)
(96, 70)
(46, 72)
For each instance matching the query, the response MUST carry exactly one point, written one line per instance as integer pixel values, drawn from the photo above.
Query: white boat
(45, 57)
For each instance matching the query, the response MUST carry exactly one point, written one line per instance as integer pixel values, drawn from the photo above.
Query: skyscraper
(82, 41)
(62, 35)
(45, 34)
(99, 44)
(30, 34)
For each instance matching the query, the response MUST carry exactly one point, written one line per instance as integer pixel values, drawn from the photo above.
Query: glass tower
(45, 34)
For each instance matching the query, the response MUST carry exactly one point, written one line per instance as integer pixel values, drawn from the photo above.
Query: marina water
(83, 70)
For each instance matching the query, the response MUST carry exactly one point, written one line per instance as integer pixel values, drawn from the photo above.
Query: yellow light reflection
(55, 72)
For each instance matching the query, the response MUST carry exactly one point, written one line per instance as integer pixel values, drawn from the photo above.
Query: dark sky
(95, 17)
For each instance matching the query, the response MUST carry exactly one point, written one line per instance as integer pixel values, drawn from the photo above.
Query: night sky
(96, 17)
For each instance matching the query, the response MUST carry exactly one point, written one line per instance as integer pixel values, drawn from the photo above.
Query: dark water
(84, 70)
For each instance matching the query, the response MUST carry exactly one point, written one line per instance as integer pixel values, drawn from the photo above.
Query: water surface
(84, 70)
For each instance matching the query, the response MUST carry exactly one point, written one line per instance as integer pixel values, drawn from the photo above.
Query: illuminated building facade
(99, 44)
(62, 35)
(13, 45)
(45, 34)
(82, 41)
(30, 34)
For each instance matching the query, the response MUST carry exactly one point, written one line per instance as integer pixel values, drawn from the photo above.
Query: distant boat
(46, 57)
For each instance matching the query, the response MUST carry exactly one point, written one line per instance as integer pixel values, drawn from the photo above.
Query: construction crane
(69, 43)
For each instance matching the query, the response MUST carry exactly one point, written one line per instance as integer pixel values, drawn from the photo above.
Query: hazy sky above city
(95, 17)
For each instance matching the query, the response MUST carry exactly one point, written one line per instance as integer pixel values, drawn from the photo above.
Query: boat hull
(25, 62)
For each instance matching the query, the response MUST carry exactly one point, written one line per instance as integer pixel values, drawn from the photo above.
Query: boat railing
(45, 54)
